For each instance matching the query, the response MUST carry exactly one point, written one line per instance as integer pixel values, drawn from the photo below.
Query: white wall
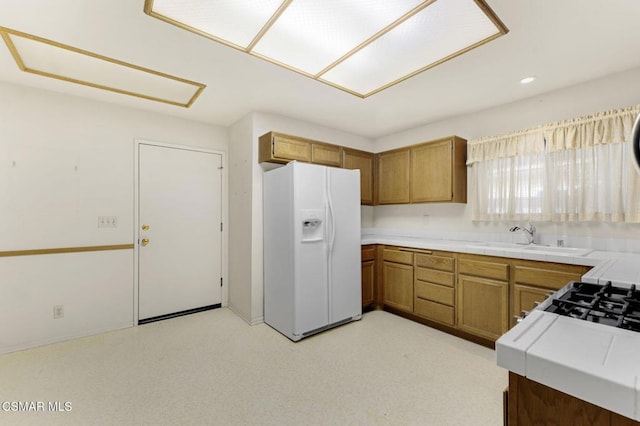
(615, 91)
(240, 217)
(64, 161)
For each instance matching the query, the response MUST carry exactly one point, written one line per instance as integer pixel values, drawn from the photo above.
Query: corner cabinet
(360, 160)
(392, 183)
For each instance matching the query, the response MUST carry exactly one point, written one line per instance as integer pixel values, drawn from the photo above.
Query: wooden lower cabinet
(397, 278)
(368, 275)
(473, 296)
(531, 403)
(525, 299)
(483, 306)
(534, 281)
(398, 286)
(434, 287)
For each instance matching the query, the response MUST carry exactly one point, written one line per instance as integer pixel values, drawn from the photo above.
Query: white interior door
(180, 238)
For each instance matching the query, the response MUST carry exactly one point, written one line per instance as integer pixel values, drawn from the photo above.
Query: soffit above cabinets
(359, 46)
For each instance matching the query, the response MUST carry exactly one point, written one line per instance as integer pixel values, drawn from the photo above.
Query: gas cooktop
(604, 304)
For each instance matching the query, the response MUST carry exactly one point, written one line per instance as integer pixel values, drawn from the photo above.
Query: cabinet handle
(416, 251)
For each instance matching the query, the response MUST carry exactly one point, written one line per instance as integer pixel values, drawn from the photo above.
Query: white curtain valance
(524, 142)
(606, 127)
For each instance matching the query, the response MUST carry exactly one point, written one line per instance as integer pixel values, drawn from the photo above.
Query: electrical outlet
(58, 311)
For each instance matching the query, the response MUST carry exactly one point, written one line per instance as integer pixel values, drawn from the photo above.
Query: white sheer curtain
(575, 170)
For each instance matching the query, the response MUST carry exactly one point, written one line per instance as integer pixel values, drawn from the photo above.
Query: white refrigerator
(312, 266)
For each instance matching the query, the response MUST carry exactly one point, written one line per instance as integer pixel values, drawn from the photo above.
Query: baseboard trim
(178, 314)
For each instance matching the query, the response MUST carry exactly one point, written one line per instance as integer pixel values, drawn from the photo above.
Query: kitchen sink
(533, 248)
(561, 251)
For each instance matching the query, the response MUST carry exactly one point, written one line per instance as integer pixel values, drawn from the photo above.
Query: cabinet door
(392, 183)
(483, 306)
(291, 149)
(368, 273)
(328, 155)
(397, 280)
(525, 298)
(363, 161)
(432, 172)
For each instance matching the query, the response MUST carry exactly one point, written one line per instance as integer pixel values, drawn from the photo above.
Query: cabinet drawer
(435, 262)
(438, 277)
(398, 256)
(478, 268)
(368, 253)
(544, 277)
(435, 293)
(434, 311)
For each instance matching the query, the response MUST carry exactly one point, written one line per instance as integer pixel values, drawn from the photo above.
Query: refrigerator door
(311, 303)
(345, 283)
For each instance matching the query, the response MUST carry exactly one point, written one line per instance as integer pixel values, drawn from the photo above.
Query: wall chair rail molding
(61, 250)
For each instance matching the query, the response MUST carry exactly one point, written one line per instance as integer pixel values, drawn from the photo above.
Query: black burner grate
(604, 304)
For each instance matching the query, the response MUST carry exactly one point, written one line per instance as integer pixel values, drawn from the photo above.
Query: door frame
(224, 238)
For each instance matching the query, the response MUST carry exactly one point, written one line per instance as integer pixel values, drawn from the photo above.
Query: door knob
(145, 241)
(145, 227)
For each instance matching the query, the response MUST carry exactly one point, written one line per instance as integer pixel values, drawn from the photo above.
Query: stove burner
(609, 305)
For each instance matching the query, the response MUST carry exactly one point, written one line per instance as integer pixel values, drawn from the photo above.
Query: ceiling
(560, 42)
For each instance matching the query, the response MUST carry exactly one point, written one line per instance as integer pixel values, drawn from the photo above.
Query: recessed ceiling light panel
(430, 37)
(236, 22)
(51, 59)
(360, 46)
(311, 35)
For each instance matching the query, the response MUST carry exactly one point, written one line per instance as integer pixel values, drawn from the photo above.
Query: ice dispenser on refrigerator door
(312, 225)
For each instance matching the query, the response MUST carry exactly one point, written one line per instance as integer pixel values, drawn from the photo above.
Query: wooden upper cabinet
(392, 183)
(279, 148)
(363, 161)
(439, 172)
(325, 154)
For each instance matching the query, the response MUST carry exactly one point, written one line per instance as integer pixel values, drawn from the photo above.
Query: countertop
(593, 362)
(620, 268)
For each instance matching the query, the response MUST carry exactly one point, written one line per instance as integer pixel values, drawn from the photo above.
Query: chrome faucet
(529, 231)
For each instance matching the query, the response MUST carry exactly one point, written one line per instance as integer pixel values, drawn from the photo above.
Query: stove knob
(524, 313)
(517, 319)
(536, 304)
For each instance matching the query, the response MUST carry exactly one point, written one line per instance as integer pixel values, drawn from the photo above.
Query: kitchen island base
(531, 403)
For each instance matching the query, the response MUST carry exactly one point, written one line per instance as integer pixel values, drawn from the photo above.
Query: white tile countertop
(594, 362)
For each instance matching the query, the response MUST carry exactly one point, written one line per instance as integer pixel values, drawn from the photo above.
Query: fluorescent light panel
(360, 46)
(50, 59)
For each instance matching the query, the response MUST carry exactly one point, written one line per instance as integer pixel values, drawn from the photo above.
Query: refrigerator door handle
(332, 215)
(332, 235)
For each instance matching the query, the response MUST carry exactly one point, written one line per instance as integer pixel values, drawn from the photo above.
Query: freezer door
(345, 284)
(311, 302)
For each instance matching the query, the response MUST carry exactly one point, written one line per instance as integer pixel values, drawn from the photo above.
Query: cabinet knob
(144, 241)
